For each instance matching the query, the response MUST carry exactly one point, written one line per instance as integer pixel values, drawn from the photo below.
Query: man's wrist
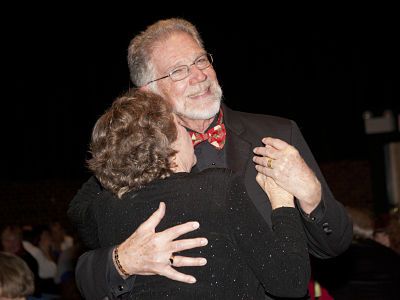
(118, 266)
(308, 204)
(314, 216)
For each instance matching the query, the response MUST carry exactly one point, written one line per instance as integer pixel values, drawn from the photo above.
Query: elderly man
(169, 58)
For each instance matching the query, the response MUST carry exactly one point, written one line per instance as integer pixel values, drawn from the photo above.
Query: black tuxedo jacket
(328, 228)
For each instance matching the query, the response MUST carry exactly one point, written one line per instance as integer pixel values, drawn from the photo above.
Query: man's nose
(196, 75)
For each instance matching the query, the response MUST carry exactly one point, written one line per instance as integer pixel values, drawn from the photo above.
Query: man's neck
(196, 125)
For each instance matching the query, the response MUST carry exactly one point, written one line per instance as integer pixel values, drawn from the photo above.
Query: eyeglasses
(181, 72)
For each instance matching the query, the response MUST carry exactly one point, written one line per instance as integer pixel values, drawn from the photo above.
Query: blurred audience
(38, 242)
(50, 255)
(65, 275)
(11, 242)
(16, 278)
(369, 269)
(387, 230)
(60, 240)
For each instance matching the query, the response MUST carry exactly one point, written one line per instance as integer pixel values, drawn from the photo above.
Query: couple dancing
(143, 157)
(256, 246)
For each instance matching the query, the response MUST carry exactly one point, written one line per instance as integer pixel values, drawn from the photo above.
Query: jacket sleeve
(80, 212)
(328, 228)
(97, 277)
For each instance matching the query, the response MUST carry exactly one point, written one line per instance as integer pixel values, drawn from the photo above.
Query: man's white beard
(192, 111)
(205, 111)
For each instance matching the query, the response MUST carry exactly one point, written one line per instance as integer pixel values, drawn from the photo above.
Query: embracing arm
(327, 225)
(145, 252)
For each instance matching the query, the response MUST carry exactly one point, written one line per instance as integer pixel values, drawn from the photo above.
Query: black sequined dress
(246, 258)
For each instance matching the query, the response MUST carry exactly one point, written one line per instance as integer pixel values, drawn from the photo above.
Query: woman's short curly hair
(131, 142)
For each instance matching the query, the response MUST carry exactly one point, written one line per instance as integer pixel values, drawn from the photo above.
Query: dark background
(322, 67)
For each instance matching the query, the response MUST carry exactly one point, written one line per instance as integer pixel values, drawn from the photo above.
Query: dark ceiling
(322, 69)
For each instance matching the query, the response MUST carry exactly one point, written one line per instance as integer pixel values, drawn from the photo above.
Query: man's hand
(147, 252)
(283, 163)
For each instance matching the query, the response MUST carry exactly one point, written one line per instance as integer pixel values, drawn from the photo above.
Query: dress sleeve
(81, 215)
(328, 228)
(278, 256)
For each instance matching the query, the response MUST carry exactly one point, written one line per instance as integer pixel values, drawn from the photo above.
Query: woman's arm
(278, 256)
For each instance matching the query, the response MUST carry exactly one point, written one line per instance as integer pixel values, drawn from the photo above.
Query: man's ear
(145, 88)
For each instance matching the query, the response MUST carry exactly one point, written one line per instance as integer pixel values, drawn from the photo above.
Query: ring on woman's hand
(269, 163)
(171, 259)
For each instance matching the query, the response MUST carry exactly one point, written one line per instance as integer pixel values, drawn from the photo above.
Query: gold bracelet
(116, 258)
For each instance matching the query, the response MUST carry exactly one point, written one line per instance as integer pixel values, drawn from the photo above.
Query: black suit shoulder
(251, 129)
(244, 116)
(254, 127)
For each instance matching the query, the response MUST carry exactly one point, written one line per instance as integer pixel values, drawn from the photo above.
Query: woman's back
(243, 254)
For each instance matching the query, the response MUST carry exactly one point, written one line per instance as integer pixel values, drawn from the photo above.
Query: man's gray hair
(142, 45)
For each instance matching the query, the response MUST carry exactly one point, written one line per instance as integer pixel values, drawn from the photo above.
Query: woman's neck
(179, 169)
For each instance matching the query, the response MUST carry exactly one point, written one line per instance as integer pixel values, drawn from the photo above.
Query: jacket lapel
(239, 153)
(237, 149)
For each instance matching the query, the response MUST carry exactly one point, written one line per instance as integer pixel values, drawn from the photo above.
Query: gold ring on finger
(269, 163)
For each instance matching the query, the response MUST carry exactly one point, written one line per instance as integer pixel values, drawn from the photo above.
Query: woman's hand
(277, 195)
(283, 162)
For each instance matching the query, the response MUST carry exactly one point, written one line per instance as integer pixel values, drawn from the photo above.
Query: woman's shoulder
(217, 172)
(219, 175)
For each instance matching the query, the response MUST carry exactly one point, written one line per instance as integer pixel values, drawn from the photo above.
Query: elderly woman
(143, 157)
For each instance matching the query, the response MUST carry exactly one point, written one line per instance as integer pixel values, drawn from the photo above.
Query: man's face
(198, 96)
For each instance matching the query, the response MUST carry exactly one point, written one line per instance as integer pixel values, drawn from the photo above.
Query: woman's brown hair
(130, 143)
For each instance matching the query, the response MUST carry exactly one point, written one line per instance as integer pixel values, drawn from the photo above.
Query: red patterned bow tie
(215, 136)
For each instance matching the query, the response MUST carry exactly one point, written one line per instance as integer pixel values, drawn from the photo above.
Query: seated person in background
(367, 270)
(387, 231)
(11, 242)
(16, 278)
(38, 243)
(143, 157)
(65, 275)
(60, 240)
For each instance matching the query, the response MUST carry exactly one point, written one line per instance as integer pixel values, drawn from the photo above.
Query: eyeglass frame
(209, 58)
